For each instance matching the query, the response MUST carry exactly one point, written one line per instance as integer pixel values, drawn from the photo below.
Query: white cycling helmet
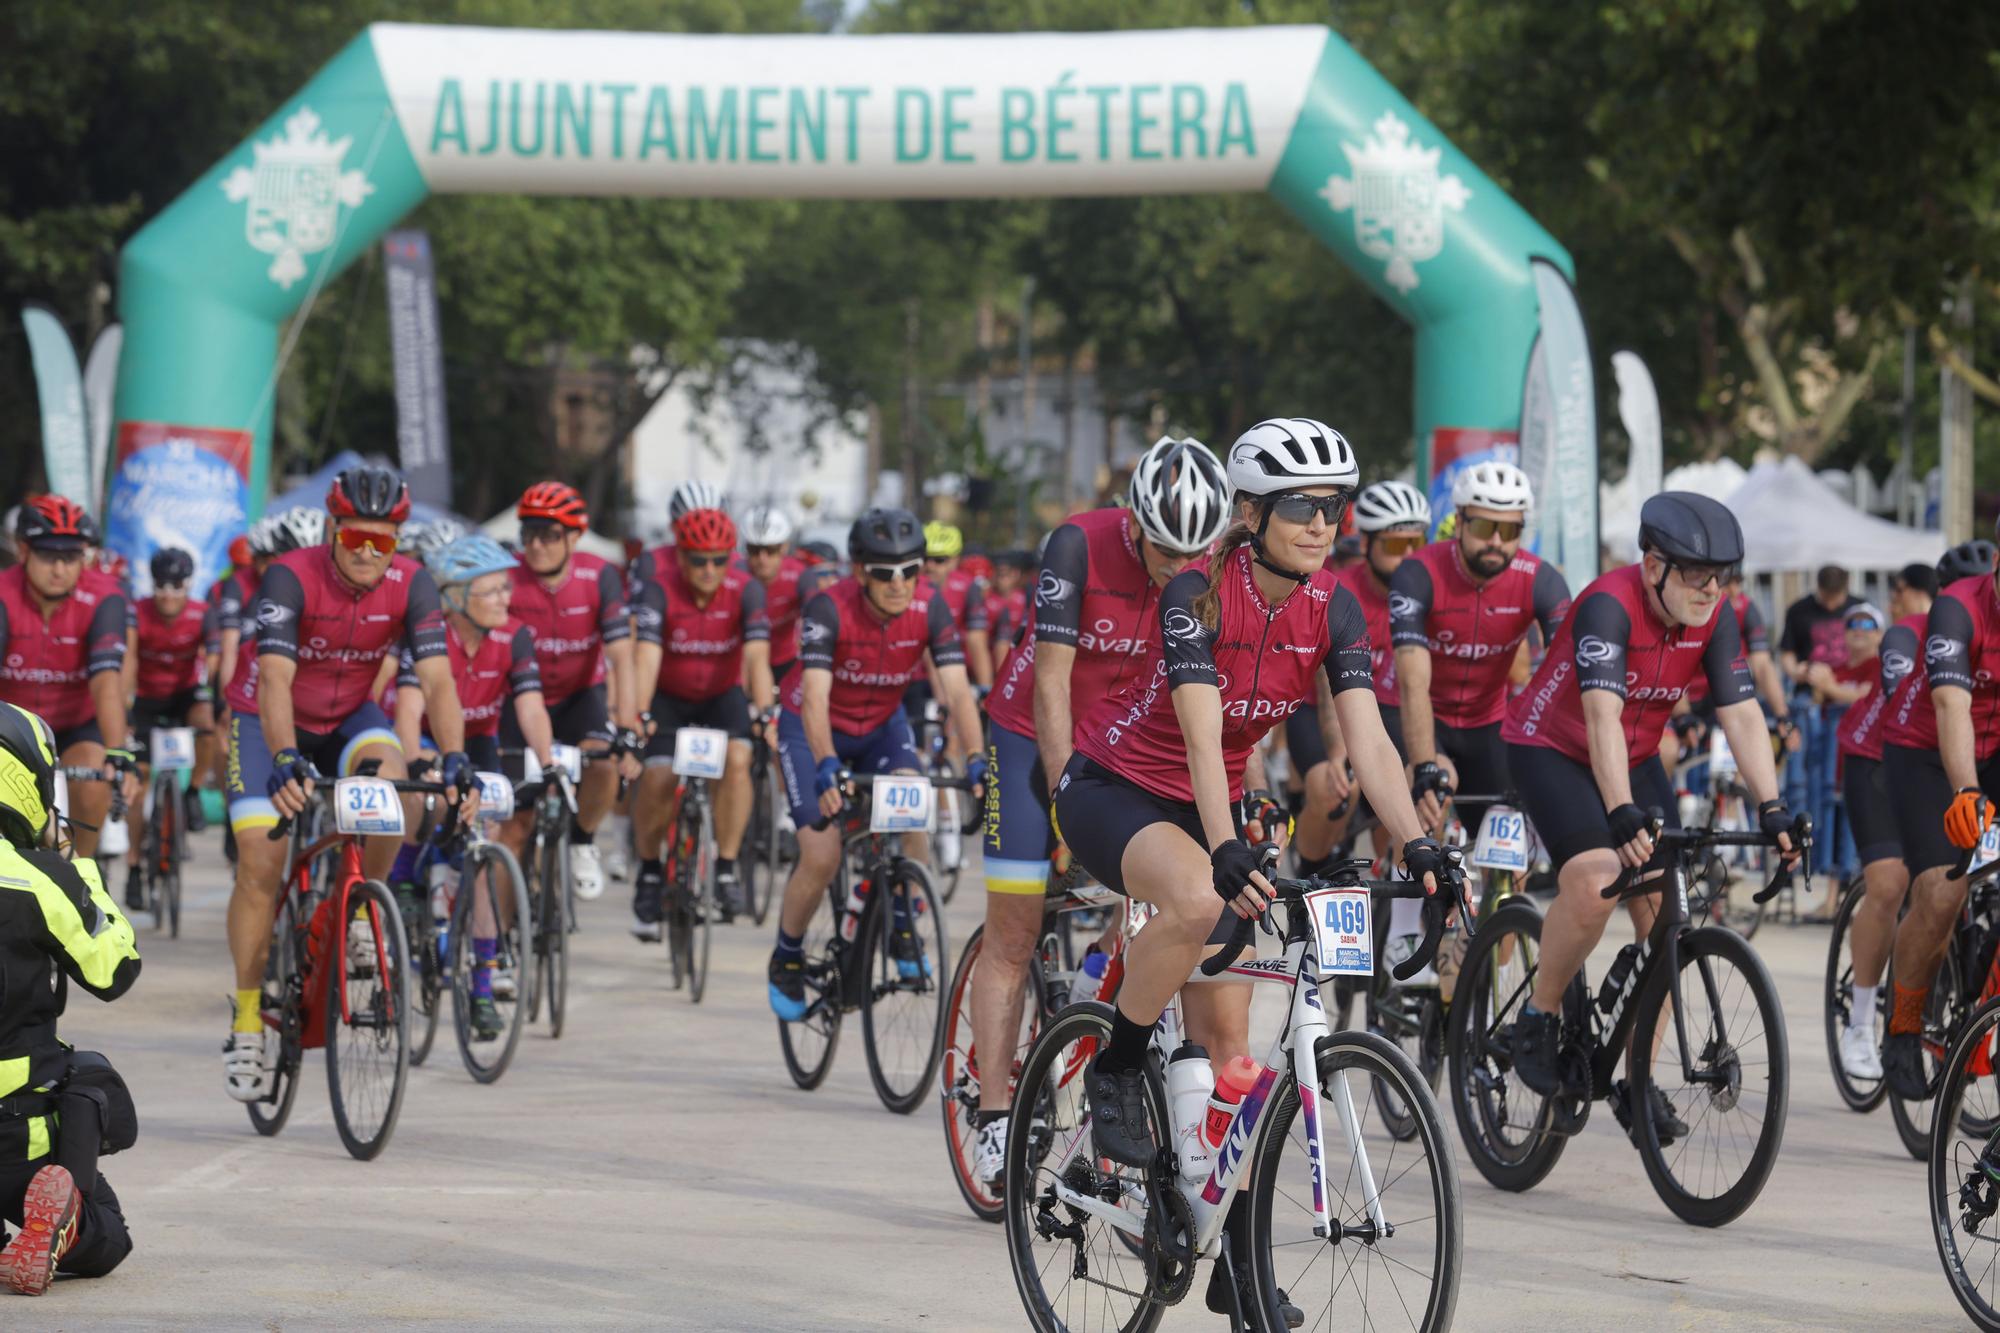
(1491, 485)
(1180, 495)
(296, 529)
(693, 494)
(766, 525)
(1390, 504)
(1286, 453)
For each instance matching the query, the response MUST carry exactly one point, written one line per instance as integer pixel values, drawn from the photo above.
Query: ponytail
(1208, 604)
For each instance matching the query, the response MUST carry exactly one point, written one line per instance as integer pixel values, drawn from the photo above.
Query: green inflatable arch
(405, 110)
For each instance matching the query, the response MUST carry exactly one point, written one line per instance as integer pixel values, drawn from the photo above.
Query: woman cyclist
(1147, 802)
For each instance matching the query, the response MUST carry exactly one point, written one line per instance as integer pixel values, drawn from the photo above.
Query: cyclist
(1583, 742)
(1940, 737)
(767, 535)
(63, 645)
(1147, 802)
(325, 618)
(1459, 611)
(701, 632)
(860, 643)
(1007, 603)
(168, 685)
(575, 604)
(59, 1108)
(964, 595)
(1096, 615)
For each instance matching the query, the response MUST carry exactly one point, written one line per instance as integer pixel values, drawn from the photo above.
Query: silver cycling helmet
(1180, 495)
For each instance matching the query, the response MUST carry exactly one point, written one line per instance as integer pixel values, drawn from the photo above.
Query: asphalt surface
(655, 1168)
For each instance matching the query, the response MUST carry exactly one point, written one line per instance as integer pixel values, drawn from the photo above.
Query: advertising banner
(185, 486)
(65, 451)
(1455, 447)
(1639, 413)
(423, 436)
(1559, 416)
(100, 379)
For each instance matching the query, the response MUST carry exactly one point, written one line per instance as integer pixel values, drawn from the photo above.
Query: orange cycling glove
(1970, 815)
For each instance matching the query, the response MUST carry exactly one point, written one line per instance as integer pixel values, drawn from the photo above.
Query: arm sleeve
(1601, 632)
(107, 635)
(1187, 645)
(1756, 634)
(524, 674)
(1059, 589)
(229, 605)
(819, 631)
(1948, 643)
(756, 621)
(947, 649)
(211, 630)
(612, 621)
(975, 607)
(1410, 594)
(1349, 663)
(649, 613)
(1551, 600)
(281, 598)
(1899, 656)
(1728, 670)
(80, 926)
(423, 617)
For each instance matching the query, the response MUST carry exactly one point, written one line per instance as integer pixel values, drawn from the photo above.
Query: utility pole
(1955, 429)
(1026, 341)
(1906, 509)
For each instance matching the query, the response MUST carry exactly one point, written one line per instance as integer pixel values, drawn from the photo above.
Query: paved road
(656, 1169)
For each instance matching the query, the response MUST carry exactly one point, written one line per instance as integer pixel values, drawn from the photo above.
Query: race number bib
(496, 795)
(1341, 932)
(173, 747)
(1503, 840)
(699, 752)
(367, 806)
(901, 805)
(569, 759)
(1720, 760)
(1987, 852)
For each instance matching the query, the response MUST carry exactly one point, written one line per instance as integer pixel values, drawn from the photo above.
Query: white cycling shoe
(1859, 1056)
(586, 870)
(989, 1152)
(1401, 947)
(248, 1061)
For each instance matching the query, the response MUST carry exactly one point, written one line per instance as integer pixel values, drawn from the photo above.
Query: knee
(1319, 788)
(1012, 941)
(1190, 913)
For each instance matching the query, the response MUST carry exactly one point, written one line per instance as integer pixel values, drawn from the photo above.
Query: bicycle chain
(1170, 1257)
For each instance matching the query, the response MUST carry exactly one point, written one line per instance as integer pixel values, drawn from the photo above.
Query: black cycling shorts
(1303, 741)
(583, 718)
(727, 712)
(1920, 793)
(171, 711)
(1481, 759)
(83, 733)
(1870, 812)
(1561, 800)
(1099, 813)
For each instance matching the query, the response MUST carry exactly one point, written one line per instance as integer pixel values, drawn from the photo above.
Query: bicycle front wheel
(552, 935)
(1860, 1094)
(492, 916)
(284, 996)
(698, 884)
(1393, 1255)
(759, 865)
(1964, 1197)
(902, 1001)
(367, 1019)
(809, 1043)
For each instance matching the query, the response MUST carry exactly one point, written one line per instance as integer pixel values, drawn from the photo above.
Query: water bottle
(113, 839)
(1190, 1084)
(441, 899)
(857, 903)
(1614, 980)
(1237, 1078)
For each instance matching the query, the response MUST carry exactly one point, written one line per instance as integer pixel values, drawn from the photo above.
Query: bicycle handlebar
(85, 773)
(323, 791)
(1292, 893)
(1677, 841)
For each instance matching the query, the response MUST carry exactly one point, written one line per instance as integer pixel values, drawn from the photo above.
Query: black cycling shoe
(728, 893)
(1118, 1119)
(787, 977)
(1218, 1300)
(135, 888)
(1537, 1057)
(1666, 1123)
(1903, 1066)
(647, 893)
(197, 819)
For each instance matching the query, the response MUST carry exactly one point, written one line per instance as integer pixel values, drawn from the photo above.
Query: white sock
(1406, 917)
(1861, 1010)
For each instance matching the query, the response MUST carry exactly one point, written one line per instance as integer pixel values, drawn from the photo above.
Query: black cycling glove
(1428, 778)
(455, 771)
(1233, 862)
(1627, 821)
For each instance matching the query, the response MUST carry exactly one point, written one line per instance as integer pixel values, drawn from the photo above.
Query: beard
(1488, 562)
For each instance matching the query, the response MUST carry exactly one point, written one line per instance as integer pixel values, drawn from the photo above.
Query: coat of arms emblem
(295, 193)
(1398, 197)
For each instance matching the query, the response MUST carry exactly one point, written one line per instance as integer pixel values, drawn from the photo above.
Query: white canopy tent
(1618, 505)
(1793, 523)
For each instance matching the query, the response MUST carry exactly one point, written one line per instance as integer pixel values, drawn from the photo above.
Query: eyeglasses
(1299, 509)
(1506, 529)
(765, 550)
(170, 587)
(542, 534)
(890, 573)
(1400, 543)
(359, 540)
(937, 559)
(707, 561)
(498, 592)
(1699, 577)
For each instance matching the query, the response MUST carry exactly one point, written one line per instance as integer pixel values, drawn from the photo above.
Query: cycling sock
(981, 1119)
(791, 948)
(405, 869)
(250, 1010)
(652, 868)
(1906, 1017)
(1861, 1010)
(579, 836)
(725, 865)
(1406, 917)
(483, 954)
(1127, 1047)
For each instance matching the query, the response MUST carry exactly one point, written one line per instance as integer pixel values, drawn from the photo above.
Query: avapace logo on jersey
(1182, 625)
(1402, 606)
(1256, 710)
(1895, 665)
(1938, 648)
(1445, 643)
(1639, 694)
(1594, 650)
(1052, 589)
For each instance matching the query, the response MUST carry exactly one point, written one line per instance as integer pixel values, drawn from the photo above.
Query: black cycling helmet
(1690, 529)
(172, 565)
(1966, 560)
(27, 776)
(369, 491)
(886, 534)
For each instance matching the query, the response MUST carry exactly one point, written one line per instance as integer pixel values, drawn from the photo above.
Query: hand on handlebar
(1239, 879)
(1793, 832)
(831, 783)
(1431, 786)
(1632, 831)
(291, 782)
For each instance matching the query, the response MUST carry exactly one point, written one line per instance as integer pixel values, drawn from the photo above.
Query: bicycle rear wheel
(903, 1001)
(809, 1043)
(1860, 1094)
(1963, 1197)
(284, 995)
(759, 865)
(959, 1071)
(1366, 1276)
(1508, 1128)
(490, 885)
(367, 1019)
(1412, 1020)
(427, 972)
(1727, 1014)
(948, 840)
(1914, 1119)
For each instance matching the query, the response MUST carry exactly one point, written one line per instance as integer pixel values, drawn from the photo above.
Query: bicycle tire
(1421, 1025)
(170, 888)
(282, 984)
(948, 835)
(512, 947)
(1915, 1119)
(703, 905)
(1957, 1189)
(554, 984)
(1442, 1205)
(904, 1042)
(1699, 951)
(759, 863)
(427, 995)
(1836, 997)
(959, 1072)
(1481, 1030)
(809, 1043)
(365, 1117)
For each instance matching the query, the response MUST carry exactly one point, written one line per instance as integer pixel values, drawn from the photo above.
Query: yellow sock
(250, 1010)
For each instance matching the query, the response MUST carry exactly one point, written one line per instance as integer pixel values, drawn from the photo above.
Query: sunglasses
(1300, 509)
(890, 573)
(170, 587)
(1507, 530)
(1402, 543)
(708, 561)
(541, 534)
(765, 550)
(1864, 622)
(1699, 577)
(358, 540)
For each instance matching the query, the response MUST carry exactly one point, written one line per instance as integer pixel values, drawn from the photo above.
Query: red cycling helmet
(239, 551)
(53, 521)
(370, 492)
(705, 530)
(553, 502)
(978, 566)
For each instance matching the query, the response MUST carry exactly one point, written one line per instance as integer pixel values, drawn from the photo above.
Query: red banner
(233, 446)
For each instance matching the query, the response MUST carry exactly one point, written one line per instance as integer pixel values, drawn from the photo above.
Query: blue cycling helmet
(467, 558)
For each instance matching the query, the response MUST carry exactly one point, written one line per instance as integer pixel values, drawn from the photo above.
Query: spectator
(1815, 632)
(1841, 687)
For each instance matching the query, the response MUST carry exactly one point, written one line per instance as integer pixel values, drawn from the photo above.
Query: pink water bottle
(1231, 1085)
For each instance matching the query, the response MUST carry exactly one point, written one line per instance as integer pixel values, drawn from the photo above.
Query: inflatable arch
(406, 110)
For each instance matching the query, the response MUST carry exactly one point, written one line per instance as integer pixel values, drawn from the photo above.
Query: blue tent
(311, 493)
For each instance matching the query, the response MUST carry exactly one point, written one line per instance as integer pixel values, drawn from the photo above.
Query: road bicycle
(1332, 1230)
(1697, 1001)
(1963, 1156)
(770, 846)
(551, 792)
(876, 943)
(956, 818)
(163, 849)
(691, 907)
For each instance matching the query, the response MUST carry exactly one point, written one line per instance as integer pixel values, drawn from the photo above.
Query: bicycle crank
(1169, 1239)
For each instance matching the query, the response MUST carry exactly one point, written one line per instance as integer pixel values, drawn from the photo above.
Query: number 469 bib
(1341, 932)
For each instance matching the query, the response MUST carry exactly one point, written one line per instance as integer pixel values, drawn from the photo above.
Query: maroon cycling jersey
(505, 667)
(1007, 616)
(1613, 641)
(1961, 648)
(1473, 630)
(170, 651)
(701, 646)
(338, 635)
(1260, 656)
(46, 663)
(1359, 579)
(965, 597)
(571, 622)
(237, 592)
(872, 659)
(782, 604)
(1902, 649)
(1094, 595)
